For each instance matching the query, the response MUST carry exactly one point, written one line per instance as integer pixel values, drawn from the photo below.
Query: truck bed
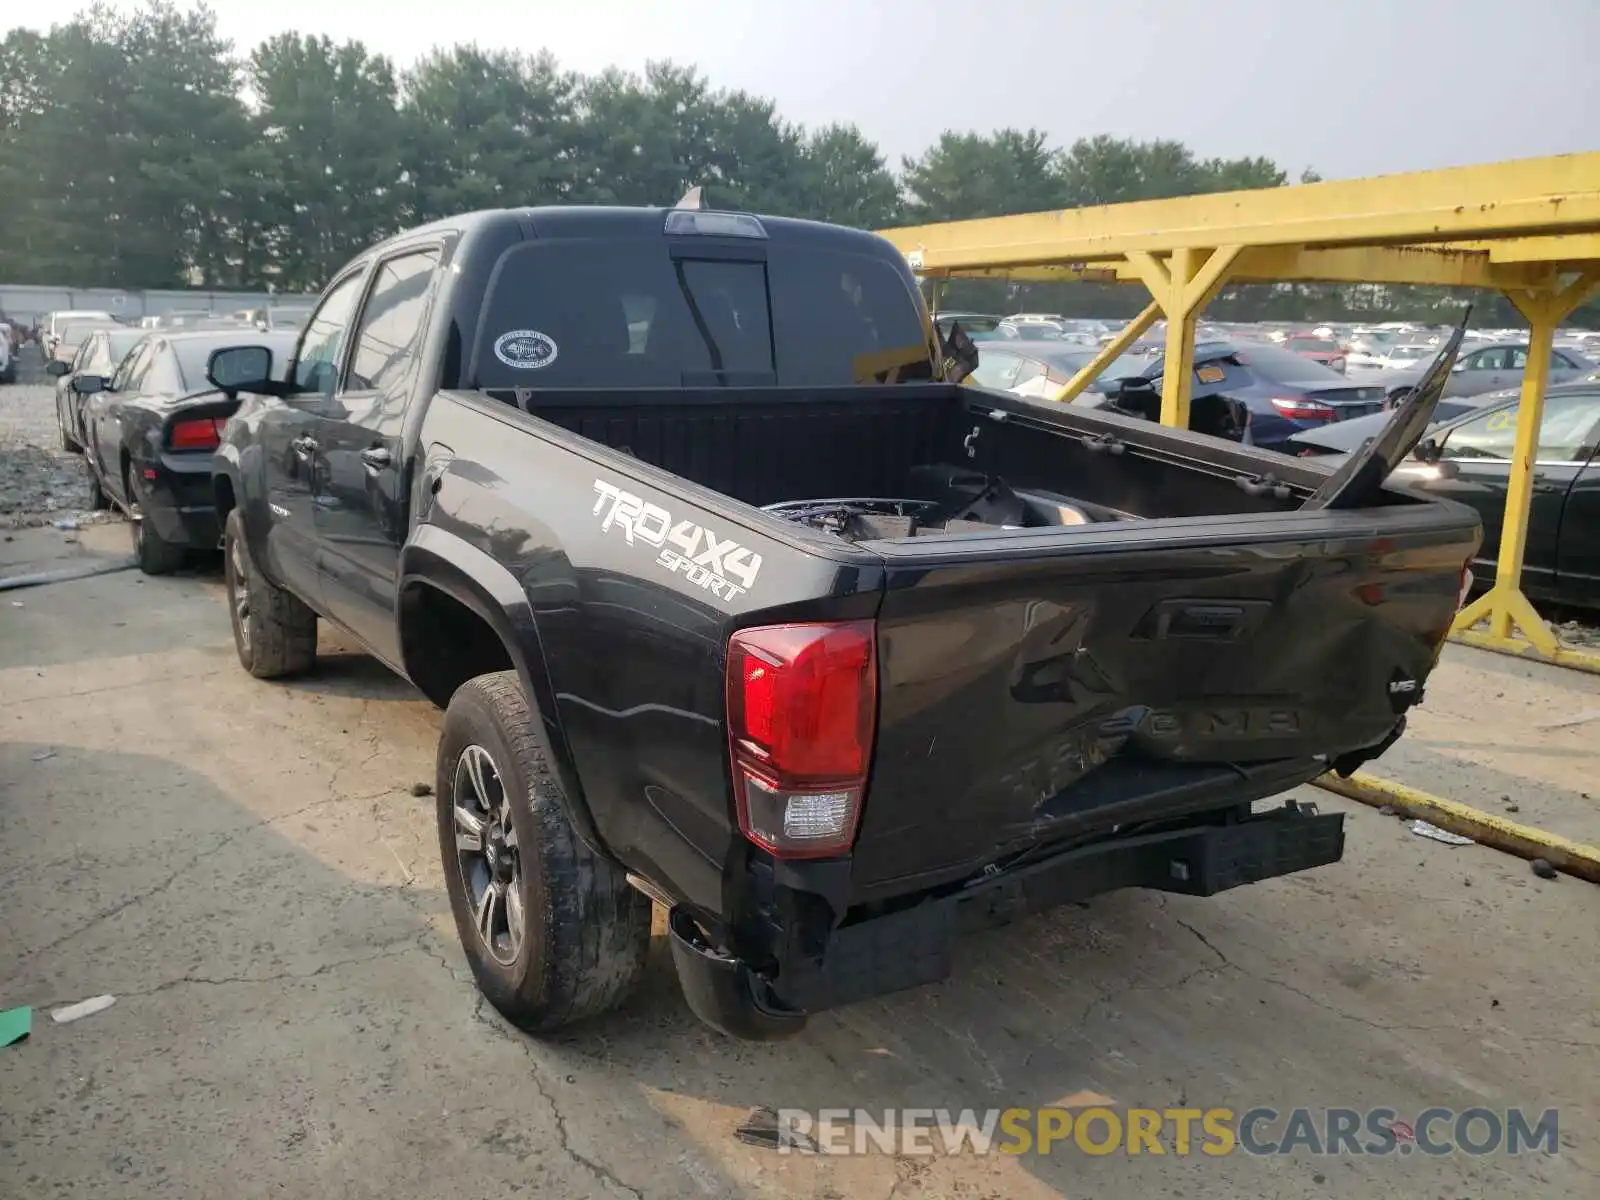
(1037, 685)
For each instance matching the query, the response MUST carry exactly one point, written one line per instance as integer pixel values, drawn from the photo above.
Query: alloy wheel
(487, 854)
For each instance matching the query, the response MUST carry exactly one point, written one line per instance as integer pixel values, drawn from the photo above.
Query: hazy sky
(1355, 87)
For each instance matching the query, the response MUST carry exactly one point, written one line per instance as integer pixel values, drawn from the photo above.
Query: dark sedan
(149, 432)
(1468, 459)
(1283, 393)
(98, 354)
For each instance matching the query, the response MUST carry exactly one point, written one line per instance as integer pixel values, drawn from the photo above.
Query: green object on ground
(15, 1024)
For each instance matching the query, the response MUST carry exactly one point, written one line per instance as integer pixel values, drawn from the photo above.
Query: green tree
(843, 179)
(328, 116)
(487, 129)
(970, 175)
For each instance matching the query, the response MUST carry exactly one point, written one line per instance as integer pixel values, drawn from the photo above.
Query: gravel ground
(39, 482)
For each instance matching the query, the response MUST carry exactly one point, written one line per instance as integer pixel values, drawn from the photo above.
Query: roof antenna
(693, 198)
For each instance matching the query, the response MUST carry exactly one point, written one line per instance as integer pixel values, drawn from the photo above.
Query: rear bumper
(915, 945)
(180, 503)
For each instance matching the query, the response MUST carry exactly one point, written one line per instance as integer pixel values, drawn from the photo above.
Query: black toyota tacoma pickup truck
(734, 601)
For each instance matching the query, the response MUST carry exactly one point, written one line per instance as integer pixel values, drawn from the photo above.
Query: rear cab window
(675, 312)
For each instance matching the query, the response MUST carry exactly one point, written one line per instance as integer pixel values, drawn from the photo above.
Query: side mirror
(240, 368)
(88, 385)
(57, 368)
(1428, 451)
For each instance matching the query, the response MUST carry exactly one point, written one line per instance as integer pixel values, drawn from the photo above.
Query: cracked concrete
(243, 866)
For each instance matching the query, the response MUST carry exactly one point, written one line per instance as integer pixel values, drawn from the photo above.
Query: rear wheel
(1399, 396)
(156, 555)
(274, 631)
(552, 931)
(98, 500)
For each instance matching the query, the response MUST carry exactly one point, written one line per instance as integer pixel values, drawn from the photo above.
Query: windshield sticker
(525, 349)
(724, 568)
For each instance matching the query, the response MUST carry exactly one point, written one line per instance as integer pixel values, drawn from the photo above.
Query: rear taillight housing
(802, 715)
(1302, 410)
(196, 433)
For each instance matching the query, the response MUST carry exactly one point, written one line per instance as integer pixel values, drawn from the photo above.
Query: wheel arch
(447, 586)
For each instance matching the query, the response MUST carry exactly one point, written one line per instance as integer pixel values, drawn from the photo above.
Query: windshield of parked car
(628, 314)
(73, 336)
(1284, 366)
(1314, 345)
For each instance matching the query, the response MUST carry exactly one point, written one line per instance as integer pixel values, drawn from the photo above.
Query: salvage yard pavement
(245, 868)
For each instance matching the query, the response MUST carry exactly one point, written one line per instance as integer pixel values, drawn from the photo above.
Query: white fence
(27, 304)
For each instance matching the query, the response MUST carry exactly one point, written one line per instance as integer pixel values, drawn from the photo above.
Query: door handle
(376, 457)
(304, 447)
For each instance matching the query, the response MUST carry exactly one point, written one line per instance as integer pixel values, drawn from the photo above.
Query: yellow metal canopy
(1530, 229)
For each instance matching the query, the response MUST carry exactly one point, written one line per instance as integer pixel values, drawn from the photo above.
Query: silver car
(1490, 368)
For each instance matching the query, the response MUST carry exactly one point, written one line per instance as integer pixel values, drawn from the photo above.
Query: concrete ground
(243, 866)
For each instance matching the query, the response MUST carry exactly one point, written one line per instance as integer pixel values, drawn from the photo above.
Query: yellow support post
(1504, 604)
(1109, 353)
(1182, 286)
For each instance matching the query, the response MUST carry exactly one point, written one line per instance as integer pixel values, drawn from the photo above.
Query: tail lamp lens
(802, 715)
(1302, 410)
(204, 433)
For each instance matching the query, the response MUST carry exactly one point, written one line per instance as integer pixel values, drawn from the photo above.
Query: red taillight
(204, 433)
(802, 713)
(1302, 410)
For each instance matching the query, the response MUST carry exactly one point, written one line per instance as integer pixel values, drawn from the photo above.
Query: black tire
(156, 555)
(585, 931)
(98, 500)
(1399, 396)
(274, 631)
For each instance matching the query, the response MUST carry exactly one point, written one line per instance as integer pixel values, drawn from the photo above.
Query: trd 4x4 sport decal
(723, 568)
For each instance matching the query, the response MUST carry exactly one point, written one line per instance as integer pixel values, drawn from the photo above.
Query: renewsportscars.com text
(1177, 1131)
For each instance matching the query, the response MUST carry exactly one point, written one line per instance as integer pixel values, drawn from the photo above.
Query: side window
(1564, 434)
(1519, 359)
(390, 329)
(119, 380)
(1563, 361)
(316, 366)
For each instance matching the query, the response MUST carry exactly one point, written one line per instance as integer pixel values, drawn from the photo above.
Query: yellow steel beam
(1182, 286)
(1568, 248)
(1285, 264)
(1528, 197)
(1504, 604)
(1109, 353)
(1384, 264)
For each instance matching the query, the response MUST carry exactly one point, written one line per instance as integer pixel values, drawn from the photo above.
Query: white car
(8, 364)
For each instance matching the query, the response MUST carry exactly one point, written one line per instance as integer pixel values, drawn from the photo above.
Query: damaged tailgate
(1037, 691)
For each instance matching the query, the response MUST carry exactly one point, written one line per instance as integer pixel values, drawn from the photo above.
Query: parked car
(1281, 392)
(148, 434)
(682, 658)
(1468, 459)
(98, 354)
(274, 316)
(70, 336)
(1041, 369)
(980, 327)
(1490, 368)
(1322, 350)
(8, 359)
(56, 323)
